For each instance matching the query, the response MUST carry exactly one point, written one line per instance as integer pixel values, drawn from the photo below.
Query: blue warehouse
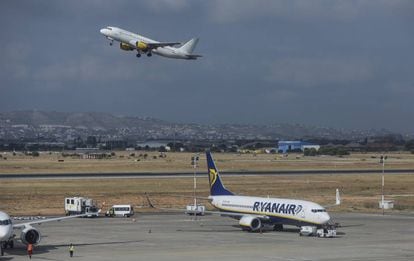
(286, 146)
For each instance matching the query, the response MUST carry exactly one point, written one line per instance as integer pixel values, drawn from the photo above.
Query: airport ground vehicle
(120, 210)
(198, 210)
(307, 231)
(327, 230)
(81, 205)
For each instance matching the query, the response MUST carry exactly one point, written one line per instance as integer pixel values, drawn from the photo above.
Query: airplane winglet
(337, 200)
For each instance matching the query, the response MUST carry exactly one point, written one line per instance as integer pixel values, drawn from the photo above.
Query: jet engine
(125, 47)
(30, 235)
(141, 46)
(250, 223)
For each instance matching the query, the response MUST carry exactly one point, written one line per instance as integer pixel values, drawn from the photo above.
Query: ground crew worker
(30, 250)
(71, 249)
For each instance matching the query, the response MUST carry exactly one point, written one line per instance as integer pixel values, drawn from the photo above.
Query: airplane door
(302, 213)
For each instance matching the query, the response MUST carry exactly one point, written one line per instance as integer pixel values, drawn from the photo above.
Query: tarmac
(179, 237)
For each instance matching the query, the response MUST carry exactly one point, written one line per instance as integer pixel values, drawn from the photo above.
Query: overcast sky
(344, 64)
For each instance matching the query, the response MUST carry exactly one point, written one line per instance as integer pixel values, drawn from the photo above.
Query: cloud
(95, 72)
(313, 72)
(15, 56)
(167, 5)
(301, 10)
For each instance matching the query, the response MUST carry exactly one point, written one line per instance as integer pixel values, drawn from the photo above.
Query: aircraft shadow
(206, 230)
(355, 225)
(239, 229)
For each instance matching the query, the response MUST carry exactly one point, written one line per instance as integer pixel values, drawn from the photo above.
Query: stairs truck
(81, 205)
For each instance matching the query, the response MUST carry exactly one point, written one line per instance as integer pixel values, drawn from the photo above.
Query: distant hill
(76, 119)
(51, 123)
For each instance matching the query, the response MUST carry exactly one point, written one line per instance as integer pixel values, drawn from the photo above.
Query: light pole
(194, 161)
(382, 160)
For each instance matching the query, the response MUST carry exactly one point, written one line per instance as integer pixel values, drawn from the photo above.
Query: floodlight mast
(382, 160)
(194, 162)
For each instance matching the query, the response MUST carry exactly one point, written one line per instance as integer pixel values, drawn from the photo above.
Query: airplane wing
(156, 45)
(192, 197)
(222, 213)
(235, 214)
(193, 56)
(149, 46)
(40, 221)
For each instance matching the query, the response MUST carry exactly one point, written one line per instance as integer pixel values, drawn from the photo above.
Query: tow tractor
(326, 231)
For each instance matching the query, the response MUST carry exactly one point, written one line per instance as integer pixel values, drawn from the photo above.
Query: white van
(120, 210)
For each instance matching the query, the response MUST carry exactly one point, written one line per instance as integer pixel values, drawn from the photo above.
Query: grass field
(359, 192)
(123, 162)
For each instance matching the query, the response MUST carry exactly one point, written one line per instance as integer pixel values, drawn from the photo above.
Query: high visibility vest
(71, 248)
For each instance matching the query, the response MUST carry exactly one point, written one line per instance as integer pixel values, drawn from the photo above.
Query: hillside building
(286, 146)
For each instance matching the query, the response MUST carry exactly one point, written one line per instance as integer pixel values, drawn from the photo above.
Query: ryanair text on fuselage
(277, 207)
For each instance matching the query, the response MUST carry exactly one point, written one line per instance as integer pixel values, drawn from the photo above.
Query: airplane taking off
(29, 234)
(130, 41)
(255, 212)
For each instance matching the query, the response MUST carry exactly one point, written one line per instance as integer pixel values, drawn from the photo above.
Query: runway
(188, 174)
(177, 237)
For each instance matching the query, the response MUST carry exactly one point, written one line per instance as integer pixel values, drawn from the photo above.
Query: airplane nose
(3, 234)
(103, 31)
(325, 217)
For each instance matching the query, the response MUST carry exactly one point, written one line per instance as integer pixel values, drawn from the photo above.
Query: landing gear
(278, 227)
(111, 43)
(149, 54)
(2, 246)
(11, 244)
(138, 55)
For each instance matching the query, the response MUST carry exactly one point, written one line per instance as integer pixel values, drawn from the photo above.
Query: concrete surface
(177, 237)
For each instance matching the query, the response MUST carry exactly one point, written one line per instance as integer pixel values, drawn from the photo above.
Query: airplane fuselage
(6, 227)
(278, 210)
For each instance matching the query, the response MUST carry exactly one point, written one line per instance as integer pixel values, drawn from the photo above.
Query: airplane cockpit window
(318, 210)
(5, 222)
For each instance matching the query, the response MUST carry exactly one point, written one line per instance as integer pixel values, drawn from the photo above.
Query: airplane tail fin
(189, 46)
(216, 186)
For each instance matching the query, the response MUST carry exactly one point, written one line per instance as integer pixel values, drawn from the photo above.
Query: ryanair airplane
(255, 212)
